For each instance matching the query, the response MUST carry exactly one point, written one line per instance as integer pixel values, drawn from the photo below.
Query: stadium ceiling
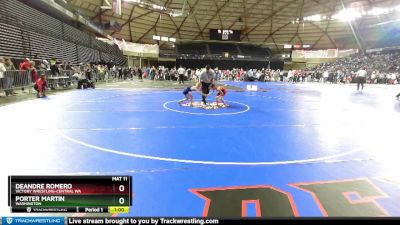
(270, 23)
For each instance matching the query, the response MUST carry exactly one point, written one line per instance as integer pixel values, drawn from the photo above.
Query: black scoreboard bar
(94, 194)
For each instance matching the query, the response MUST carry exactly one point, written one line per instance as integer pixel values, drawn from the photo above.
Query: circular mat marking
(167, 106)
(206, 162)
(190, 161)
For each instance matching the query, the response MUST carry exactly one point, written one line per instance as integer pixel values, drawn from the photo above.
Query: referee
(206, 78)
(361, 74)
(181, 73)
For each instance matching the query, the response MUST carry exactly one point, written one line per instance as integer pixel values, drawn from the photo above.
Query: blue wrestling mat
(285, 150)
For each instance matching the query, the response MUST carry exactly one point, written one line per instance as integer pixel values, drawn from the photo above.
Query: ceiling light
(136, 1)
(107, 5)
(347, 15)
(378, 11)
(316, 17)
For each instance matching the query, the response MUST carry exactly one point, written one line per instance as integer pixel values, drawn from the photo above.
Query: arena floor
(285, 150)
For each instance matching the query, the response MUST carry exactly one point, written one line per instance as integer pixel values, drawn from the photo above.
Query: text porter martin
(37, 200)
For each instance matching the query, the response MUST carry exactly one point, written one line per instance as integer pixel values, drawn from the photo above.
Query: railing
(20, 79)
(15, 79)
(61, 78)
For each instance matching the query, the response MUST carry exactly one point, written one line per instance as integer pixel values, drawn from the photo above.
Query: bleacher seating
(42, 46)
(74, 35)
(254, 51)
(192, 49)
(217, 50)
(32, 18)
(220, 48)
(27, 32)
(10, 41)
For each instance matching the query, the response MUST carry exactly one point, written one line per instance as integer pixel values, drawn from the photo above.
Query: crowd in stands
(382, 68)
(235, 74)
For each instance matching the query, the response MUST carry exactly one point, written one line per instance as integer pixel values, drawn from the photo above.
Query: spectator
(54, 67)
(37, 60)
(41, 86)
(88, 72)
(140, 74)
(120, 75)
(101, 71)
(2, 72)
(45, 65)
(34, 73)
(9, 80)
(277, 75)
(290, 76)
(189, 73)
(83, 82)
(126, 73)
(106, 73)
(68, 65)
(325, 76)
(25, 65)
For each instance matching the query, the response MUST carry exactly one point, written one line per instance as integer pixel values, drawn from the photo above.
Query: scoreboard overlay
(89, 194)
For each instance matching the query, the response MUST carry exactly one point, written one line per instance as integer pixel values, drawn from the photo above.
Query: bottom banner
(185, 220)
(139, 221)
(206, 221)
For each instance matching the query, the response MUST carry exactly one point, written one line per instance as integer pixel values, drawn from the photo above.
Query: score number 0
(121, 200)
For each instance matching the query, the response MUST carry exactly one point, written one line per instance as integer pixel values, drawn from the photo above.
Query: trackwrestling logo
(33, 220)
